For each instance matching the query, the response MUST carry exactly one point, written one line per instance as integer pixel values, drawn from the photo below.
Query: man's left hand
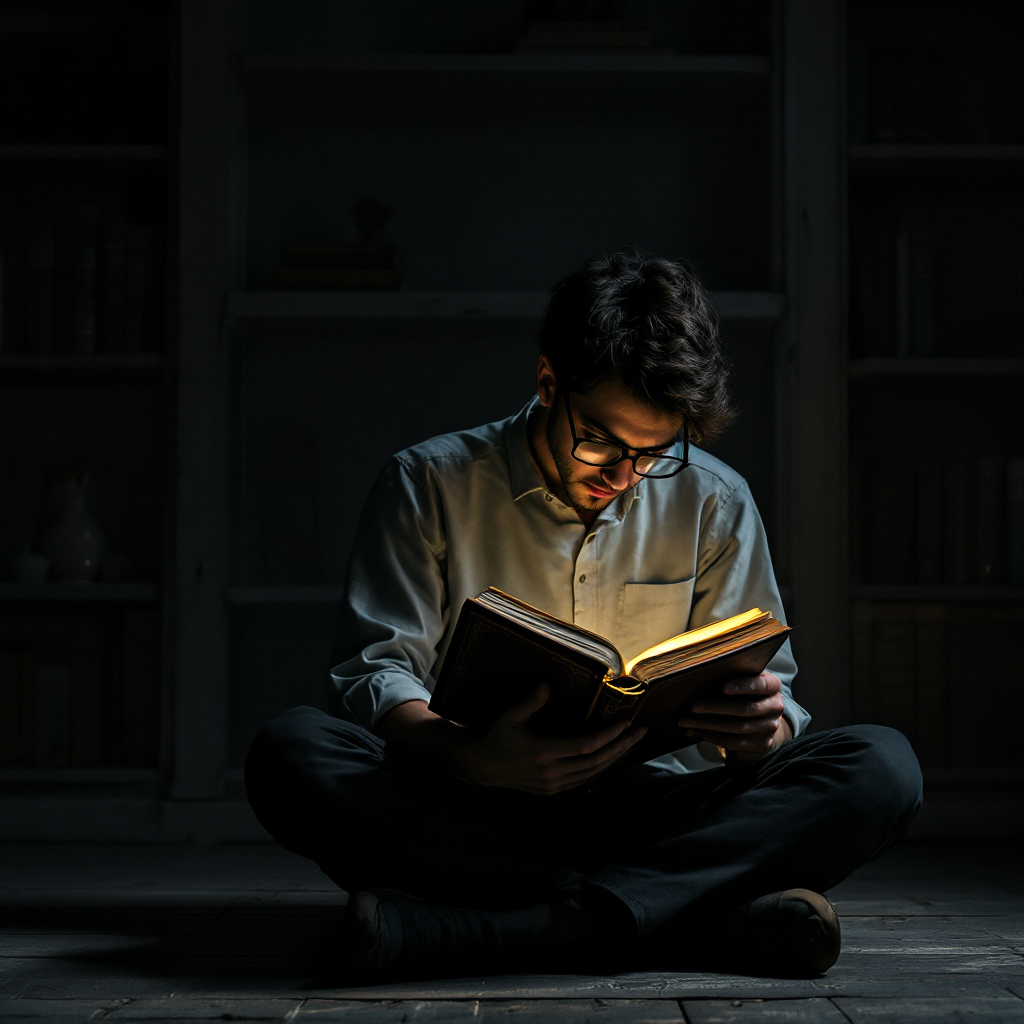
(747, 718)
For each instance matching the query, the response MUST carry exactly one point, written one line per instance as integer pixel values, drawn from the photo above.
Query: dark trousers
(666, 845)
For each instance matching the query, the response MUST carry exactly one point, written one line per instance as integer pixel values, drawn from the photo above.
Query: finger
(574, 746)
(765, 683)
(732, 724)
(593, 763)
(736, 706)
(521, 713)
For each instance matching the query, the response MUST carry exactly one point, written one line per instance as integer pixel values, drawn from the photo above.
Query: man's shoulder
(709, 473)
(456, 451)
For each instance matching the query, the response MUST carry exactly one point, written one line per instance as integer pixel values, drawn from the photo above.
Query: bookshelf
(85, 222)
(936, 338)
(503, 170)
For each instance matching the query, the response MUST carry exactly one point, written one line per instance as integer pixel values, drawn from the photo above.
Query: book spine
(895, 669)
(139, 289)
(929, 521)
(53, 716)
(903, 291)
(612, 706)
(86, 704)
(16, 671)
(64, 285)
(932, 689)
(921, 286)
(15, 285)
(3, 283)
(861, 659)
(956, 517)
(990, 504)
(115, 267)
(1015, 521)
(85, 280)
(140, 713)
(40, 283)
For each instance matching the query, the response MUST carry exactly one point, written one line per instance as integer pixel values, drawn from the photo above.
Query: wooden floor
(932, 933)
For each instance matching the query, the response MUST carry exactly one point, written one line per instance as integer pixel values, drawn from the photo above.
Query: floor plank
(1005, 1010)
(769, 1011)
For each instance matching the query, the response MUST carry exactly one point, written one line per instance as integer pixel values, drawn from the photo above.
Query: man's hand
(509, 755)
(512, 757)
(746, 719)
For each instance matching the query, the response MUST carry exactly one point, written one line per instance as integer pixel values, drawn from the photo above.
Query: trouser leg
(805, 817)
(325, 789)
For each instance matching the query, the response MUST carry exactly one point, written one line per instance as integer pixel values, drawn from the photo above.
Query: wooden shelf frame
(82, 776)
(61, 152)
(948, 593)
(312, 593)
(77, 593)
(934, 153)
(929, 366)
(508, 63)
(256, 306)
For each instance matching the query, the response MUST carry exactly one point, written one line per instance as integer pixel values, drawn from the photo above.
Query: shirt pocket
(652, 612)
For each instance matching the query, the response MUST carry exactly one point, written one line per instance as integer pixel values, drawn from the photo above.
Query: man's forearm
(430, 739)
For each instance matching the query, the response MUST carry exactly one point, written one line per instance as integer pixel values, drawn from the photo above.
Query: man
(508, 851)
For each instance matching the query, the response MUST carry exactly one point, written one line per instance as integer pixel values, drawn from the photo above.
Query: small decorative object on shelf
(75, 543)
(368, 264)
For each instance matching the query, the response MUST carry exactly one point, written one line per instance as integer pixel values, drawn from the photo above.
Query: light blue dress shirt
(465, 511)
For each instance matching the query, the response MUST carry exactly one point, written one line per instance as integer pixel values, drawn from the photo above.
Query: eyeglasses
(604, 454)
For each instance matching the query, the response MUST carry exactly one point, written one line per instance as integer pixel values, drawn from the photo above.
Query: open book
(503, 648)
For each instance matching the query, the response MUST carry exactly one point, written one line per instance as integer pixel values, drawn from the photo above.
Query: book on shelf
(503, 648)
(898, 672)
(954, 520)
(78, 276)
(1015, 521)
(357, 266)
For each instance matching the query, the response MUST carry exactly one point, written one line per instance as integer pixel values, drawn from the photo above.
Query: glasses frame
(641, 453)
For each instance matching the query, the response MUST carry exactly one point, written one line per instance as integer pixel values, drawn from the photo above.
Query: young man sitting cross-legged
(470, 854)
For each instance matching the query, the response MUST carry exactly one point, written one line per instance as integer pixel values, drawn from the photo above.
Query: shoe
(392, 936)
(794, 933)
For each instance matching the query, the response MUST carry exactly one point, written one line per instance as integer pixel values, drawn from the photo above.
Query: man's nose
(620, 476)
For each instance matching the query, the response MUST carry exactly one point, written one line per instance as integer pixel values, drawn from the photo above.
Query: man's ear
(545, 382)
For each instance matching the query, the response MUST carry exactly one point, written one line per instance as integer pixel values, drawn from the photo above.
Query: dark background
(847, 179)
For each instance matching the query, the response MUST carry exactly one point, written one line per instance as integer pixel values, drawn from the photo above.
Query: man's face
(608, 413)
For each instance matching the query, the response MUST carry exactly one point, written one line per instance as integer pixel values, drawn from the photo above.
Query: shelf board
(935, 366)
(60, 152)
(974, 776)
(919, 592)
(255, 306)
(101, 362)
(81, 776)
(897, 152)
(689, 64)
(130, 593)
(308, 594)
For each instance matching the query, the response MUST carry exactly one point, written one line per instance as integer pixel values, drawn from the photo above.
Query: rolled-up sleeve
(734, 573)
(394, 609)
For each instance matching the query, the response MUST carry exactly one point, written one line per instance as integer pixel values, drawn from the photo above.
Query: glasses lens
(658, 465)
(594, 453)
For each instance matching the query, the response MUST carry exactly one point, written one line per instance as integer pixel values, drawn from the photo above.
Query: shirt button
(547, 497)
(583, 578)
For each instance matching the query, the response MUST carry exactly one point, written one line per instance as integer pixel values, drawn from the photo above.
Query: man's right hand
(508, 755)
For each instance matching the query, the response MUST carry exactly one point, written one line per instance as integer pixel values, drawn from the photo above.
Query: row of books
(907, 292)
(920, 94)
(80, 691)
(935, 673)
(958, 520)
(77, 278)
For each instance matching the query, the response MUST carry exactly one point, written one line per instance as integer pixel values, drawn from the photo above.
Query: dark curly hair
(647, 322)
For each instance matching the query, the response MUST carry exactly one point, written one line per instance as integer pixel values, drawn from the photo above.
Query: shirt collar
(522, 470)
(525, 477)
